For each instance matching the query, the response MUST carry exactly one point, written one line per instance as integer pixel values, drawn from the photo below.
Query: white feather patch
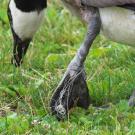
(118, 24)
(25, 24)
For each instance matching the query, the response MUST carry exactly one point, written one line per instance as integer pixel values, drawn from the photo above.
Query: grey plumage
(107, 3)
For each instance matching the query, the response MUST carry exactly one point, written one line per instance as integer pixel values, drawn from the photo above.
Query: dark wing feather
(129, 6)
(9, 14)
(11, 22)
(10, 18)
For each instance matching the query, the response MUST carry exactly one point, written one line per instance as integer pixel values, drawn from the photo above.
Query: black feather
(31, 5)
(129, 6)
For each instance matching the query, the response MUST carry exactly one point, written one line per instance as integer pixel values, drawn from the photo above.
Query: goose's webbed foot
(72, 91)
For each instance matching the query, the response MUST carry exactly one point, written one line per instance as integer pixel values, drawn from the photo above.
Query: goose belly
(118, 24)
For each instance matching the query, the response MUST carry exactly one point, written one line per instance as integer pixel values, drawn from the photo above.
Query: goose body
(118, 24)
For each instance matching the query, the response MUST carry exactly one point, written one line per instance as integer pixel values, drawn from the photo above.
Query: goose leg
(73, 89)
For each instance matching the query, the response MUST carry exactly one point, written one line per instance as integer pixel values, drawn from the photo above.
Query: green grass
(25, 93)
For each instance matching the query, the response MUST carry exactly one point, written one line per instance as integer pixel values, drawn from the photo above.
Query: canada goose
(25, 17)
(116, 20)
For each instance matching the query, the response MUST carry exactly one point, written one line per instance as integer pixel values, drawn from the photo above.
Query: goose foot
(72, 91)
